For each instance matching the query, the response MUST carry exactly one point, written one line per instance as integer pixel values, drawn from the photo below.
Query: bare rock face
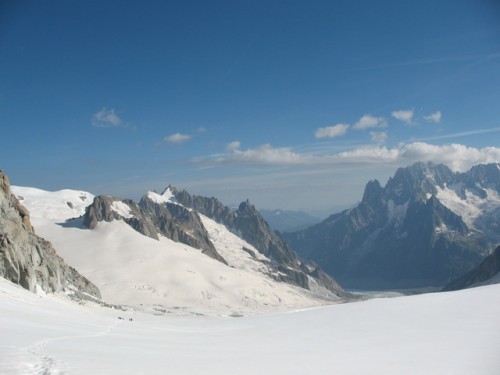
(29, 260)
(152, 219)
(105, 208)
(180, 224)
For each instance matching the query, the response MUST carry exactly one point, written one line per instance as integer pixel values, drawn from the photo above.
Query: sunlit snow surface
(443, 333)
(54, 205)
(166, 197)
(121, 209)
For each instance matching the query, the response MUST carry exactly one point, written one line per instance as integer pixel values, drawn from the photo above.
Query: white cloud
(435, 117)
(456, 156)
(106, 118)
(201, 129)
(331, 131)
(404, 115)
(266, 154)
(378, 137)
(232, 146)
(369, 121)
(177, 138)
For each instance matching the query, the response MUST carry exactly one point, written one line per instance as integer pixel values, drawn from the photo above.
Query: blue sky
(292, 104)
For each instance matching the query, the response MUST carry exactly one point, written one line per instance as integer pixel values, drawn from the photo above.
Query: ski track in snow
(31, 359)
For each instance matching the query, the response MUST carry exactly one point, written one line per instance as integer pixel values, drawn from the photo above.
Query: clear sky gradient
(292, 104)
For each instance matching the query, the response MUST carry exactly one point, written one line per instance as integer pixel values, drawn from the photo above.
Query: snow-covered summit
(54, 205)
(168, 196)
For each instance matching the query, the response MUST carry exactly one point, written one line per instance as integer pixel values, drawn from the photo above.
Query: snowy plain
(441, 333)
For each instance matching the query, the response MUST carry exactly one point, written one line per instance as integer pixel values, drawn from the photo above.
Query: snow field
(53, 204)
(471, 208)
(441, 333)
(131, 269)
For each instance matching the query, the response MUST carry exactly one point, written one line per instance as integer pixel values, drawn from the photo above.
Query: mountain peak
(169, 192)
(426, 227)
(373, 191)
(246, 206)
(487, 175)
(417, 181)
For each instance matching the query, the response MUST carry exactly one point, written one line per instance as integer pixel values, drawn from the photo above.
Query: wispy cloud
(177, 138)
(459, 134)
(106, 118)
(456, 156)
(263, 155)
(233, 146)
(404, 115)
(378, 137)
(435, 117)
(331, 131)
(369, 121)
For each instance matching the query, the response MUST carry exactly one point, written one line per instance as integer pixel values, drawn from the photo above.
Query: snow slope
(442, 333)
(471, 208)
(231, 247)
(132, 269)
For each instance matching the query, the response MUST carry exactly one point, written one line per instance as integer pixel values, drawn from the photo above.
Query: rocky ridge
(152, 220)
(249, 224)
(176, 215)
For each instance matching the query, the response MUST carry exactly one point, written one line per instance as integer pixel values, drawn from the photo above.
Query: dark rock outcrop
(152, 219)
(29, 260)
(180, 224)
(102, 209)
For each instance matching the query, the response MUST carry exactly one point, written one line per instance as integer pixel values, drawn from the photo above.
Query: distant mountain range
(425, 228)
(288, 221)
